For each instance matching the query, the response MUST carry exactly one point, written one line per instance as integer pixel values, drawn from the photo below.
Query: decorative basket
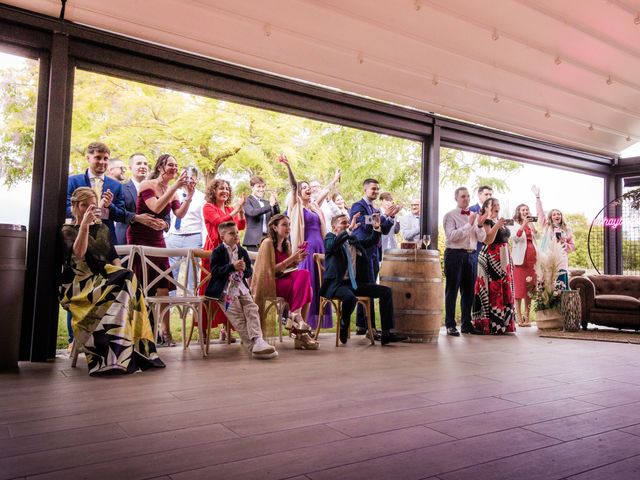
(571, 310)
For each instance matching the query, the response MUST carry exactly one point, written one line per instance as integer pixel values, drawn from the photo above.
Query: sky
(567, 191)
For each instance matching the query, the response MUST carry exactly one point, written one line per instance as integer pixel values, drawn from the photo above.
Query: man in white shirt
(186, 232)
(410, 224)
(463, 230)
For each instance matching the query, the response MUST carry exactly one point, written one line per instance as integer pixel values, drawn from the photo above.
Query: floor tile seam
(601, 432)
(430, 446)
(178, 429)
(601, 466)
(322, 422)
(49, 448)
(630, 433)
(155, 452)
(58, 430)
(630, 402)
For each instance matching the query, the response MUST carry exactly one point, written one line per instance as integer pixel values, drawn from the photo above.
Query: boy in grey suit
(257, 211)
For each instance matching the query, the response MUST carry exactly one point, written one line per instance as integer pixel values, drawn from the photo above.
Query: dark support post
(48, 212)
(431, 186)
(612, 237)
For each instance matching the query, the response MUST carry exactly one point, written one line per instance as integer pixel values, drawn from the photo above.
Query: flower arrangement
(548, 289)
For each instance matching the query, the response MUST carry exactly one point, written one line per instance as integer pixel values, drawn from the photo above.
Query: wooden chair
(213, 305)
(186, 300)
(127, 253)
(337, 305)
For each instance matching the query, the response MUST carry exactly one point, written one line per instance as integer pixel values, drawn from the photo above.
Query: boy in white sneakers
(230, 271)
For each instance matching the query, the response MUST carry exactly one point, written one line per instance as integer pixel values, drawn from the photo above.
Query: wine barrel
(415, 277)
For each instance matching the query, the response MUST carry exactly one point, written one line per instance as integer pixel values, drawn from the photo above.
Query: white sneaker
(263, 350)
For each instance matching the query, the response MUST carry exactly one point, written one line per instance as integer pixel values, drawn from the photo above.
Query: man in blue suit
(109, 191)
(366, 209)
(347, 274)
(139, 169)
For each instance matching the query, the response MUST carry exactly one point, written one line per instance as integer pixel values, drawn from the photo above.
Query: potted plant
(547, 295)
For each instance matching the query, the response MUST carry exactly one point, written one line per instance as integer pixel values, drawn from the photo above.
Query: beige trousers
(243, 315)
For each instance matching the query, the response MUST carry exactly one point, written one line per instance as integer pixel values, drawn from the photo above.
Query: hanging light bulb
(628, 138)
(435, 81)
(636, 20)
(495, 35)
(547, 114)
(558, 61)
(360, 58)
(418, 4)
(591, 127)
(609, 81)
(267, 30)
(496, 99)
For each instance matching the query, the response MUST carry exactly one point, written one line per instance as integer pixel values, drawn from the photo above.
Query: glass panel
(18, 95)
(630, 224)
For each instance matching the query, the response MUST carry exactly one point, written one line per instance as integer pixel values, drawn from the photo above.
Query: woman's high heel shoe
(305, 342)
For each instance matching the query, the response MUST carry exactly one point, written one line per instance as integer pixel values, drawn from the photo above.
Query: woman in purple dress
(308, 228)
(156, 197)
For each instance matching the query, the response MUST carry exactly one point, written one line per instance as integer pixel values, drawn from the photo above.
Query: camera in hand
(532, 219)
(558, 235)
(508, 222)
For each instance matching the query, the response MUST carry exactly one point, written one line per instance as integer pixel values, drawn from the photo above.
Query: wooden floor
(518, 407)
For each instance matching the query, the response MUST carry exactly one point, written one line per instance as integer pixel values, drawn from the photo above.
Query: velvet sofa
(609, 300)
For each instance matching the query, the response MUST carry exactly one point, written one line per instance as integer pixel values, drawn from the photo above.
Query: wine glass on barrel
(426, 241)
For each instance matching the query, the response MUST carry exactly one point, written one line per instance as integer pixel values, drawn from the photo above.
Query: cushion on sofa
(618, 302)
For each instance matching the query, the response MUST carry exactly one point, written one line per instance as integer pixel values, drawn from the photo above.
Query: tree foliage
(227, 139)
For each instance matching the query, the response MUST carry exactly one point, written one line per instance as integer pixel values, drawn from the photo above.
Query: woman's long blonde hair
(79, 195)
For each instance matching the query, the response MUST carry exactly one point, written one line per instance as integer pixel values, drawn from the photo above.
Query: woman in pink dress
(218, 210)
(156, 197)
(275, 274)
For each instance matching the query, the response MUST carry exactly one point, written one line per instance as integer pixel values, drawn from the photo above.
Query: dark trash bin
(13, 257)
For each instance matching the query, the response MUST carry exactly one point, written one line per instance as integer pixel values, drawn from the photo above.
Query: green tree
(473, 170)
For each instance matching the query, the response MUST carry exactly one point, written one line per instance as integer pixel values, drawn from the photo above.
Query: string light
(435, 81)
(591, 127)
(267, 30)
(360, 58)
(609, 81)
(496, 99)
(495, 36)
(558, 61)
(636, 20)
(418, 5)
(547, 114)
(628, 138)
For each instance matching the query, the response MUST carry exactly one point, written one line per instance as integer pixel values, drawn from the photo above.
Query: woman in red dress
(218, 210)
(156, 197)
(525, 253)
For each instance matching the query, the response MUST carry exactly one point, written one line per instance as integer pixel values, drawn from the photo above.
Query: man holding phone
(365, 208)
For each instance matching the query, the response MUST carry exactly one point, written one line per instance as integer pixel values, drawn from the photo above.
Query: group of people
(494, 278)
(164, 209)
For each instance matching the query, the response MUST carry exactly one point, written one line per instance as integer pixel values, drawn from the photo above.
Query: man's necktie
(97, 187)
(179, 220)
(352, 274)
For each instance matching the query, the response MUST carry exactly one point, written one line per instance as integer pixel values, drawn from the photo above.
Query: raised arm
(326, 190)
(539, 210)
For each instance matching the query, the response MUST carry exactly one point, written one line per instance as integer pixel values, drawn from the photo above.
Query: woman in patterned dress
(109, 316)
(493, 311)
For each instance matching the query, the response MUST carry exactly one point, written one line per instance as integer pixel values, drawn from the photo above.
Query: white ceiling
(566, 71)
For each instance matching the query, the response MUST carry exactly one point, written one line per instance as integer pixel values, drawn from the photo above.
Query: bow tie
(465, 212)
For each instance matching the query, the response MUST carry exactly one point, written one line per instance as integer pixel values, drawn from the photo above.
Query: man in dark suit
(347, 274)
(257, 211)
(139, 169)
(365, 209)
(108, 190)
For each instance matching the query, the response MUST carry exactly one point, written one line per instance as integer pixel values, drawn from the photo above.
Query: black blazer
(130, 205)
(253, 213)
(335, 260)
(221, 268)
